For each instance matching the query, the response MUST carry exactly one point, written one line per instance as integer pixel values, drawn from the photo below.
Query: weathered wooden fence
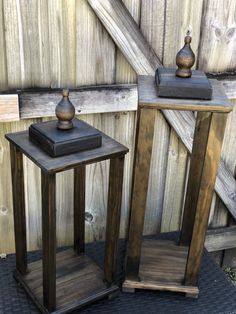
(62, 43)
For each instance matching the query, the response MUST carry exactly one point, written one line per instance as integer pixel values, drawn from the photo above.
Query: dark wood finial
(185, 59)
(65, 112)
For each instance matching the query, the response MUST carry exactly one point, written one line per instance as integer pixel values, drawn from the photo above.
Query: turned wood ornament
(65, 112)
(185, 59)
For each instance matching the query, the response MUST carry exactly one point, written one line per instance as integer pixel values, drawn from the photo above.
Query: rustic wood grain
(181, 16)
(125, 32)
(162, 267)
(142, 159)
(79, 208)
(220, 239)
(9, 108)
(207, 181)
(195, 175)
(113, 218)
(3, 61)
(95, 51)
(79, 281)
(177, 157)
(48, 188)
(124, 71)
(87, 100)
(26, 43)
(148, 98)
(62, 44)
(19, 209)
(217, 46)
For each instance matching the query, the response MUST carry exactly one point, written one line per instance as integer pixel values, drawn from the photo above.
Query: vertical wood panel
(62, 42)
(3, 62)
(218, 45)
(124, 71)
(179, 15)
(95, 51)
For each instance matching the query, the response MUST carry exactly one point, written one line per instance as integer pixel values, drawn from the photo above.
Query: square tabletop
(109, 149)
(148, 98)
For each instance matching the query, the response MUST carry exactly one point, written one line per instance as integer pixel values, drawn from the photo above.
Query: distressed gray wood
(220, 238)
(92, 99)
(126, 34)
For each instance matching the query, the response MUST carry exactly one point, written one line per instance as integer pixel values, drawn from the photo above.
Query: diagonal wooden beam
(126, 34)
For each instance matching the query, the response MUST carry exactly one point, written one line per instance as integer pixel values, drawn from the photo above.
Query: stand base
(79, 281)
(162, 267)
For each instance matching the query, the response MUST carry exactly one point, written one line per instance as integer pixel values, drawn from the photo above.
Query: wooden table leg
(79, 208)
(206, 184)
(195, 173)
(113, 217)
(17, 175)
(49, 239)
(143, 151)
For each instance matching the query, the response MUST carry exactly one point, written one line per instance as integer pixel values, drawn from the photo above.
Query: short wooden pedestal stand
(61, 282)
(166, 265)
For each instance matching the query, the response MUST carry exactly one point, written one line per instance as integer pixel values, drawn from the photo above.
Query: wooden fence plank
(125, 32)
(124, 71)
(62, 44)
(93, 99)
(3, 61)
(181, 16)
(95, 51)
(220, 238)
(218, 46)
(9, 108)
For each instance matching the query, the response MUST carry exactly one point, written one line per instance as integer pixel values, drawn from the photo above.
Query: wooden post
(195, 173)
(113, 217)
(205, 192)
(79, 208)
(17, 176)
(49, 239)
(143, 152)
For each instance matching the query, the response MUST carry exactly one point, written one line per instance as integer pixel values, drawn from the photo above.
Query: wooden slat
(180, 16)
(141, 169)
(113, 218)
(3, 61)
(206, 187)
(17, 175)
(195, 174)
(124, 71)
(9, 108)
(95, 51)
(93, 99)
(217, 47)
(79, 209)
(62, 44)
(124, 31)
(220, 239)
(48, 186)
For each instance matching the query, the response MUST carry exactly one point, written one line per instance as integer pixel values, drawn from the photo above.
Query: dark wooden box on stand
(195, 87)
(58, 142)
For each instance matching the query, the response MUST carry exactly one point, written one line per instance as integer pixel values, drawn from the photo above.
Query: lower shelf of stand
(162, 267)
(79, 281)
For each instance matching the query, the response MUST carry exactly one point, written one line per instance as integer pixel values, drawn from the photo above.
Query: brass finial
(65, 112)
(185, 59)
